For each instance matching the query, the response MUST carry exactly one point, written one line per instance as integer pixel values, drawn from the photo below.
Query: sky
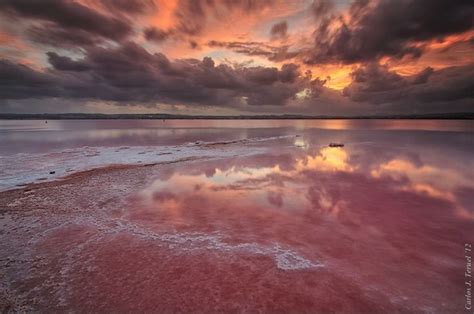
(230, 57)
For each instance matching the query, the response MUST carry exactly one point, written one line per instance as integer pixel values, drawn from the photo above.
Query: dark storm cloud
(131, 74)
(279, 30)
(385, 28)
(375, 84)
(18, 81)
(58, 18)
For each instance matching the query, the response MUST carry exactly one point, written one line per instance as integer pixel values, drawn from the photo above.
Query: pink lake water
(236, 216)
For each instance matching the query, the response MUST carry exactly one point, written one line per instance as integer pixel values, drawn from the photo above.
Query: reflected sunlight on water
(270, 217)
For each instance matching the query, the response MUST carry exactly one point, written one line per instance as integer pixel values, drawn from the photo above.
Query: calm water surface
(38, 136)
(268, 218)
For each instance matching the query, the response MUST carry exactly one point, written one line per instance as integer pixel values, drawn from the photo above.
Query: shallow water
(26, 136)
(240, 215)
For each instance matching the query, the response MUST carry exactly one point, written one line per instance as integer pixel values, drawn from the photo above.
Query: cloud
(129, 73)
(255, 48)
(365, 31)
(52, 35)
(279, 30)
(65, 63)
(19, 81)
(395, 28)
(94, 54)
(423, 76)
(65, 20)
(428, 90)
(192, 17)
(321, 8)
(128, 6)
(155, 34)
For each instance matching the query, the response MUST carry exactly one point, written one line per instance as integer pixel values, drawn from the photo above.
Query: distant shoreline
(94, 116)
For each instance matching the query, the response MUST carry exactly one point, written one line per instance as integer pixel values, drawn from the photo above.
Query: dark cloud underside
(130, 73)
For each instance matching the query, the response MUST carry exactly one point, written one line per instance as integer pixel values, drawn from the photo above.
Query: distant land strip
(160, 116)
